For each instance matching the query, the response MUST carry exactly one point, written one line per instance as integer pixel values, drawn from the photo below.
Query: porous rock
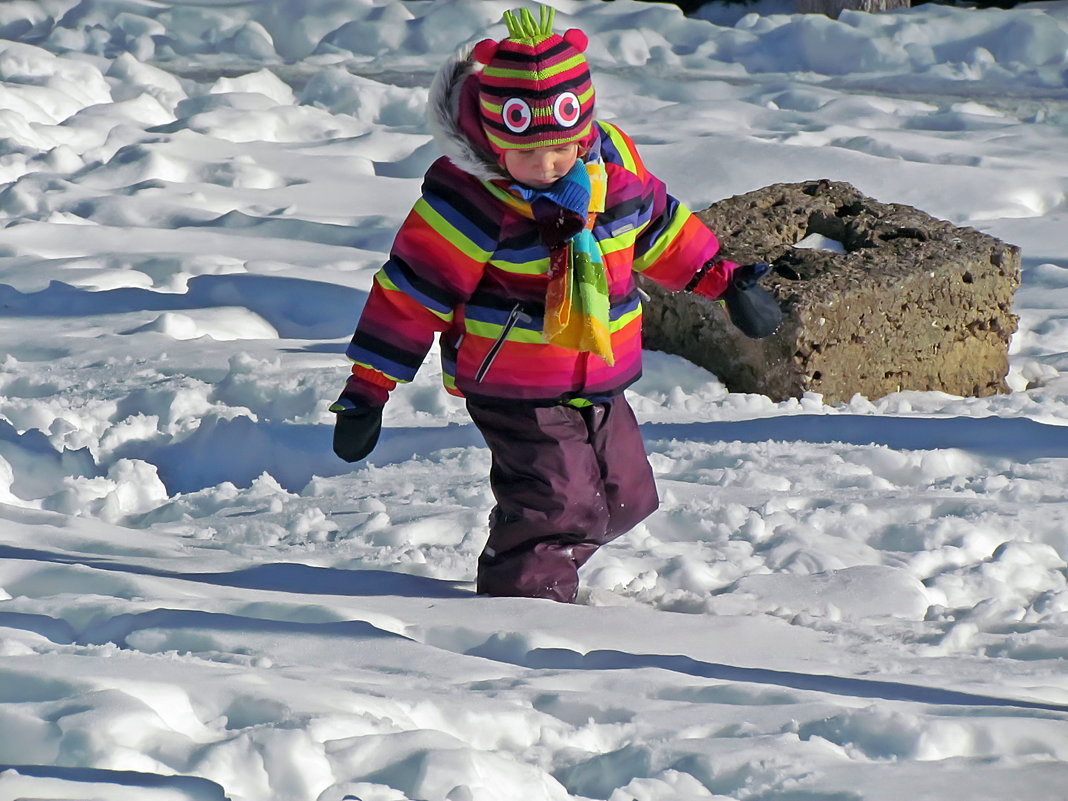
(911, 302)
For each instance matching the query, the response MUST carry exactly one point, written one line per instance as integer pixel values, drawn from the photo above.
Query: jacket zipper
(514, 316)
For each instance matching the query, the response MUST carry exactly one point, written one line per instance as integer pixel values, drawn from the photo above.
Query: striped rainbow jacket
(468, 267)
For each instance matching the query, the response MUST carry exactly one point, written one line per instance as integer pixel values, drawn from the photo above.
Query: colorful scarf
(576, 301)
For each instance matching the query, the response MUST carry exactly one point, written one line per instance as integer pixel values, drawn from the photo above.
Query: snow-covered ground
(861, 602)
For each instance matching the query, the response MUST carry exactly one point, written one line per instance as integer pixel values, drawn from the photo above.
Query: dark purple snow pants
(566, 480)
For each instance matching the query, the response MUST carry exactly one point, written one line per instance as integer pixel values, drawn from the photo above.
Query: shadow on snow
(564, 659)
(290, 577)
(1018, 438)
(195, 788)
(239, 450)
(298, 578)
(297, 308)
(220, 449)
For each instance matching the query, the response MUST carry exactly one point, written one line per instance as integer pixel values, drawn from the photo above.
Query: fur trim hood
(452, 115)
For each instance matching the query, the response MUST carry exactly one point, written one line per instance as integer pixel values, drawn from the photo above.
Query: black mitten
(752, 309)
(356, 428)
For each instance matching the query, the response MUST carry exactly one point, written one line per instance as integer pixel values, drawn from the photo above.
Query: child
(520, 256)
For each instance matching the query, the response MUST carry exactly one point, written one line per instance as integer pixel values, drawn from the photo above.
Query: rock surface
(900, 300)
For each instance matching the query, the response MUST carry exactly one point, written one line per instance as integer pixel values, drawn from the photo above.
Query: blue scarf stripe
(571, 192)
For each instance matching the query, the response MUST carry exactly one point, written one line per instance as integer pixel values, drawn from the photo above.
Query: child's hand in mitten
(359, 413)
(356, 432)
(356, 428)
(752, 308)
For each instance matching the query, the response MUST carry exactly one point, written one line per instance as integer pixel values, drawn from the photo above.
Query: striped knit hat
(535, 90)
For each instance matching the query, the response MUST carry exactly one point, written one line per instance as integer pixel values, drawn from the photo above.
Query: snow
(856, 602)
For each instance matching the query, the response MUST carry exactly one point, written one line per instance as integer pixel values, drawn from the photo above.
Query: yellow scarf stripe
(598, 188)
(599, 340)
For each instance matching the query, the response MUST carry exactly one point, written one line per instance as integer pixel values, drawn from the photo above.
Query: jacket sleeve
(672, 245)
(436, 261)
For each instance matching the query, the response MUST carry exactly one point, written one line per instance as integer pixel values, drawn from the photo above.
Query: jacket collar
(452, 116)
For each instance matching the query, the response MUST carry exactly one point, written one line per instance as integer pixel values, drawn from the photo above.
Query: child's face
(541, 167)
